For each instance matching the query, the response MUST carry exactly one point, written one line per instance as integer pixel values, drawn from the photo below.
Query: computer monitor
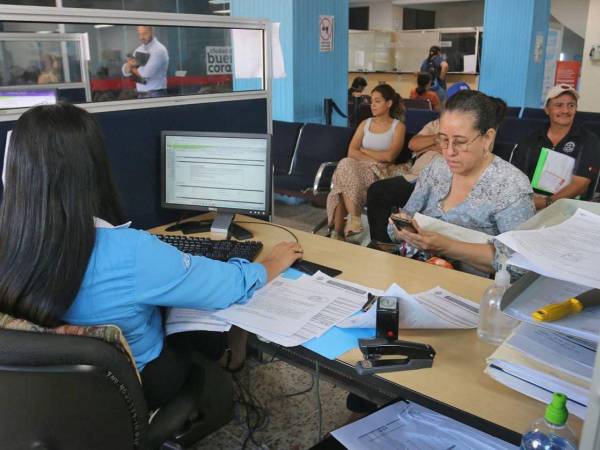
(224, 172)
(26, 98)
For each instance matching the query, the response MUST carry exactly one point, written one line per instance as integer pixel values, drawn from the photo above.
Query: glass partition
(105, 62)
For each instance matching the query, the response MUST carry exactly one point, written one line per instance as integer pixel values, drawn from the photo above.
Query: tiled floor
(292, 421)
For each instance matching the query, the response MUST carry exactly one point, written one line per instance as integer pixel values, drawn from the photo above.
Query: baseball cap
(560, 89)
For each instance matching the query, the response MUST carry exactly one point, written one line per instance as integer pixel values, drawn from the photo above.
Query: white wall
(571, 13)
(385, 16)
(459, 14)
(589, 90)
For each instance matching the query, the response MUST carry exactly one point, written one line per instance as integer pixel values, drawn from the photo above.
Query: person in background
(63, 261)
(383, 195)
(50, 72)
(424, 92)
(564, 136)
(148, 65)
(373, 150)
(436, 66)
(392, 193)
(469, 186)
(358, 86)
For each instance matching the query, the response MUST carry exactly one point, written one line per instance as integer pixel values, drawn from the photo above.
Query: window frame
(57, 14)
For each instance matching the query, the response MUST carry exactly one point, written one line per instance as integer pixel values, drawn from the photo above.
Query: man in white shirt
(148, 65)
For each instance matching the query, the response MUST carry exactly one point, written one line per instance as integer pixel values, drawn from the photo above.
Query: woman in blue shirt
(469, 186)
(61, 260)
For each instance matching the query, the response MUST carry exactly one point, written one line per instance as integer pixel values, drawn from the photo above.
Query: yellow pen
(556, 311)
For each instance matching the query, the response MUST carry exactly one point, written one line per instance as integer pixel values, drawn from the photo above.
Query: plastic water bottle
(494, 325)
(551, 432)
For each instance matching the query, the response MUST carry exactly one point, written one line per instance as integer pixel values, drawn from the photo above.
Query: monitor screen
(223, 172)
(27, 99)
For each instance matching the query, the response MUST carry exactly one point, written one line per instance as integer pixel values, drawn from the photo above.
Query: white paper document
(408, 426)
(584, 325)
(570, 355)
(347, 299)
(451, 230)
(569, 251)
(283, 306)
(532, 390)
(556, 172)
(182, 319)
(433, 309)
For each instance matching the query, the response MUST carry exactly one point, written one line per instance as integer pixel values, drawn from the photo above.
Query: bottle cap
(502, 277)
(556, 411)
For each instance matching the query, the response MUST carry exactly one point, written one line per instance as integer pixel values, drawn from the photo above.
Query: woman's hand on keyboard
(281, 257)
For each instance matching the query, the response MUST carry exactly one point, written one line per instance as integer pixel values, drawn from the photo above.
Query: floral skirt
(353, 178)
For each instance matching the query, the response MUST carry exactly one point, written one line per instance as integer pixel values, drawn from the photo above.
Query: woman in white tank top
(373, 150)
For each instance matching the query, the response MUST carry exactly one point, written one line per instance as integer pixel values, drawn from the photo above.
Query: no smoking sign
(326, 33)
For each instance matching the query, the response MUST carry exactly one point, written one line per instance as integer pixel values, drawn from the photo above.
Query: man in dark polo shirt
(563, 136)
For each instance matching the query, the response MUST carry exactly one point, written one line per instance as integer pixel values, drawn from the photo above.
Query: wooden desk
(457, 377)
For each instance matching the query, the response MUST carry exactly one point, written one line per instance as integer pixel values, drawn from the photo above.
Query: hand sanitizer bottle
(551, 432)
(494, 325)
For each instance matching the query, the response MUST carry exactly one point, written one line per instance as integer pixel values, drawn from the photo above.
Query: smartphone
(404, 224)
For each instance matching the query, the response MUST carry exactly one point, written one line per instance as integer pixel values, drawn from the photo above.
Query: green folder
(539, 169)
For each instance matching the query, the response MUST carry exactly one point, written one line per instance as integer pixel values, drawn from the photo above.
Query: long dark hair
(358, 84)
(388, 93)
(487, 111)
(423, 82)
(58, 179)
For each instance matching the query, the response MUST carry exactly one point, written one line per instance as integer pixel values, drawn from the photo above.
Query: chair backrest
(586, 116)
(68, 392)
(416, 119)
(417, 103)
(594, 127)
(317, 144)
(504, 150)
(513, 111)
(513, 130)
(283, 144)
(534, 113)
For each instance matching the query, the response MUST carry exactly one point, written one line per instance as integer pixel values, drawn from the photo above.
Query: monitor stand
(221, 223)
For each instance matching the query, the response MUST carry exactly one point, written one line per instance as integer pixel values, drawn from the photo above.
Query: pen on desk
(370, 300)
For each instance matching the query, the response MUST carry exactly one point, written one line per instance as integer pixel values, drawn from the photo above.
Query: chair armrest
(324, 177)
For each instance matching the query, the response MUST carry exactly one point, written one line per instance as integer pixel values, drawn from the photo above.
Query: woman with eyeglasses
(469, 186)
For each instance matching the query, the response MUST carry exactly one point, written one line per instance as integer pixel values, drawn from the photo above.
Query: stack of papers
(433, 309)
(537, 362)
(568, 251)
(408, 426)
(287, 311)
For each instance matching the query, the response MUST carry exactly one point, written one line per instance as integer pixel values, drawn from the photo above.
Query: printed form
(568, 251)
(408, 426)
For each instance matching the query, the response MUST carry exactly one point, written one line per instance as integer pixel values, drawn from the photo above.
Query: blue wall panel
(318, 75)
(133, 145)
(277, 11)
(508, 68)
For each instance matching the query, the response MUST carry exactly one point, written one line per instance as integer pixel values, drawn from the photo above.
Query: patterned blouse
(501, 200)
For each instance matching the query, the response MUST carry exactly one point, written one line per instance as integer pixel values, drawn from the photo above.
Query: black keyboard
(221, 250)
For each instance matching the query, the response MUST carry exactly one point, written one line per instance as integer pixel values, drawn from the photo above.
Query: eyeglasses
(459, 145)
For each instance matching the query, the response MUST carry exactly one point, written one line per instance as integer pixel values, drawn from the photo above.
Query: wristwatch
(549, 201)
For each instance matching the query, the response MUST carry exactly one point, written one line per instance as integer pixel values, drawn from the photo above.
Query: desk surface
(457, 377)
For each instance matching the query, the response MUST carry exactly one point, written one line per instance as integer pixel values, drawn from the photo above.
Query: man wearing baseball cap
(561, 135)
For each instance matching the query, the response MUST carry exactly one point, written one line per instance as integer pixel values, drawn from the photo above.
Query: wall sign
(567, 72)
(326, 33)
(218, 60)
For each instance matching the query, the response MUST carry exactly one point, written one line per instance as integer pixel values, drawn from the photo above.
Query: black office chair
(417, 103)
(75, 392)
